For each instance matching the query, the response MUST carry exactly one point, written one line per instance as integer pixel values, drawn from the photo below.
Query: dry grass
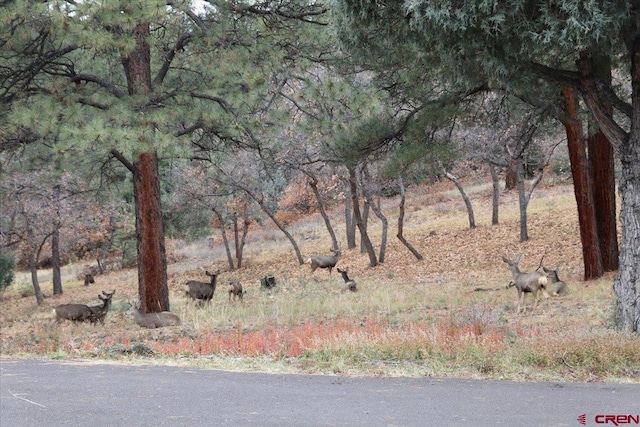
(408, 318)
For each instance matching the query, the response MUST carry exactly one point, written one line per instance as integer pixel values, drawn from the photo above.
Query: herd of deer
(533, 283)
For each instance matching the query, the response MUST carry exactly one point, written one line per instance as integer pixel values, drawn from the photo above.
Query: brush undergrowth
(446, 316)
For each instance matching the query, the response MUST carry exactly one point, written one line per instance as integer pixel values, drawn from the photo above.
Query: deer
(268, 282)
(324, 261)
(152, 320)
(202, 291)
(99, 312)
(526, 283)
(349, 285)
(88, 279)
(74, 312)
(557, 286)
(235, 289)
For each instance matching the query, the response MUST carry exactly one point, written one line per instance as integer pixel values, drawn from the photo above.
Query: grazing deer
(349, 285)
(557, 286)
(202, 291)
(152, 320)
(324, 261)
(235, 289)
(526, 283)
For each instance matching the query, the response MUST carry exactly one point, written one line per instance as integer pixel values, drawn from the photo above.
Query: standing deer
(557, 286)
(152, 320)
(526, 283)
(324, 261)
(349, 285)
(99, 312)
(202, 291)
(235, 289)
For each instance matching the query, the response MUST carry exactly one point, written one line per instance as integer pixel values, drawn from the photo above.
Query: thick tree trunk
(601, 161)
(627, 284)
(592, 258)
(522, 201)
(152, 263)
(602, 168)
(350, 224)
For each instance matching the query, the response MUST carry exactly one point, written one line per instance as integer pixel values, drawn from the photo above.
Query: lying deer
(324, 261)
(557, 286)
(349, 285)
(81, 312)
(526, 283)
(202, 291)
(152, 320)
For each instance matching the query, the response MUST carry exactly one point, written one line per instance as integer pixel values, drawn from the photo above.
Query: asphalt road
(61, 393)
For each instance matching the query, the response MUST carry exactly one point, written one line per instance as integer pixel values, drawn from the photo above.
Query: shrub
(6, 271)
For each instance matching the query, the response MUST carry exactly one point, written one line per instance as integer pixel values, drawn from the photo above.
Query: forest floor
(448, 315)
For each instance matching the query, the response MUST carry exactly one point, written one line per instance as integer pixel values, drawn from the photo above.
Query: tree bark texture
(601, 160)
(495, 201)
(627, 284)
(364, 237)
(582, 188)
(602, 168)
(152, 263)
(400, 234)
(465, 198)
(313, 183)
(55, 261)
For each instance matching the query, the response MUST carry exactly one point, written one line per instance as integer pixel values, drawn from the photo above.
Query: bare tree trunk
(350, 224)
(224, 239)
(495, 201)
(522, 201)
(510, 180)
(33, 268)
(243, 239)
(55, 260)
(400, 235)
(313, 183)
(601, 161)
(358, 217)
(465, 197)
(385, 224)
(602, 168)
(365, 224)
(152, 262)
(592, 258)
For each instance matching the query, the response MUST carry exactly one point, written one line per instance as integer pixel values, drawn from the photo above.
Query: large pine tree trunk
(152, 263)
(627, 284)
(55, 260)
(601, 160)
(602, 168)
(592, 258)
